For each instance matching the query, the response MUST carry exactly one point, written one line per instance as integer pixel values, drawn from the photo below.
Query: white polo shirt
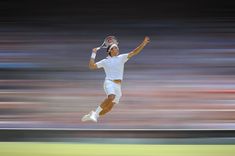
(113, 66)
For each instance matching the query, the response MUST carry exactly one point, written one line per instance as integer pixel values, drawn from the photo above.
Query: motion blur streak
(181, 80)
(185, 77)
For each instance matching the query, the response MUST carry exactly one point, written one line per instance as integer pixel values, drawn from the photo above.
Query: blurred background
(184, 79)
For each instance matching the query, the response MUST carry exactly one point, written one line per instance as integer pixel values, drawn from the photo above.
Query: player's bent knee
(111, 97)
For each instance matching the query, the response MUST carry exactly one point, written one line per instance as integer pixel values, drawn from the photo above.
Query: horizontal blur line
(46, 134)
(78, 129)
(201, 110)
(18, 103)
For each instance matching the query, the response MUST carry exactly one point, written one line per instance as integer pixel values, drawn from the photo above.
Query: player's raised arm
(92, 64)
(138, 49)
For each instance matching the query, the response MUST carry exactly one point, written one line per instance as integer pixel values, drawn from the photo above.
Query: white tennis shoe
(90, 117)
(93, 116)
(86, 117)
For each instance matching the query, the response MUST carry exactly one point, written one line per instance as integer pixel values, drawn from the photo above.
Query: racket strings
(109, 40)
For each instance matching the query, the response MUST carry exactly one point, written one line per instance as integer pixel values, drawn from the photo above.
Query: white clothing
(113, 66)
(111, 87)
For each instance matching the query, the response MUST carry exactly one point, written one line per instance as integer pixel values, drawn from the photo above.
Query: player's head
(113, 50)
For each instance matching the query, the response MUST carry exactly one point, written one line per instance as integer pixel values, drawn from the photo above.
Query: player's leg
(107, 109)
(109, 88)
(117, 89)
(108, 101)
(105, 105)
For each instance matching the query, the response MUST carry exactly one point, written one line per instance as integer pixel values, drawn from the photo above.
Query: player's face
(114, 51)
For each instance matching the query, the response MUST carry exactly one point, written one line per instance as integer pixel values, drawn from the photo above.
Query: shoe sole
(85, 118)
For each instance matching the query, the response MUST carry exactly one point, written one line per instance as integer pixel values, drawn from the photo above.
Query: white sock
(98, 110)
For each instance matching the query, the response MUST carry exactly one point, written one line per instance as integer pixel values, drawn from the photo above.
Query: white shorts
(111, 87)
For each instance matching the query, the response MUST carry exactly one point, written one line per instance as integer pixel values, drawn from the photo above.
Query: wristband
(93, 55)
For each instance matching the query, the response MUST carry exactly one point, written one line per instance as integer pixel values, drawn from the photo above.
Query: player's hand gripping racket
(109, 40)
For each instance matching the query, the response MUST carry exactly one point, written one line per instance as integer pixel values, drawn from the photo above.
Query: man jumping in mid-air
(113, 66)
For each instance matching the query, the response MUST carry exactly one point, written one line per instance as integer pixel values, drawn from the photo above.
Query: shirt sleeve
(124, 57)
(100, 64)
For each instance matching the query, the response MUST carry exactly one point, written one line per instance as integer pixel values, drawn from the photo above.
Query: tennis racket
(109, 40)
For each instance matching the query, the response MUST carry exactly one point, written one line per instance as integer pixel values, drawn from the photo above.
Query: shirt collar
(108, 57)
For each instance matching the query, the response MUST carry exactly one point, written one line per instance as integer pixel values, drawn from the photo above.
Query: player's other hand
(94, 50)
(146, 40)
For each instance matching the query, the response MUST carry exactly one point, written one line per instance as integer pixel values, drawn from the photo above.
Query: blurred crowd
(184, 79)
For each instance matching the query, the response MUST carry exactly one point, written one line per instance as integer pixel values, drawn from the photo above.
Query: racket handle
(98, 48)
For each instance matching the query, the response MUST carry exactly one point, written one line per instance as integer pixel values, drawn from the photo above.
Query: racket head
(109, 40)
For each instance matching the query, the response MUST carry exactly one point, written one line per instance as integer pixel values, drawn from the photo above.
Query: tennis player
(113, 66)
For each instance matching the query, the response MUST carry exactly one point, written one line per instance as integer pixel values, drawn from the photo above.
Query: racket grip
(98, 48)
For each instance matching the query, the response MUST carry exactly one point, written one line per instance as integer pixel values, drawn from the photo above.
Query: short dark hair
(108, 48)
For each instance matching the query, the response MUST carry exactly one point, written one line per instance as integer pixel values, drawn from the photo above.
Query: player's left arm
(138, 49)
